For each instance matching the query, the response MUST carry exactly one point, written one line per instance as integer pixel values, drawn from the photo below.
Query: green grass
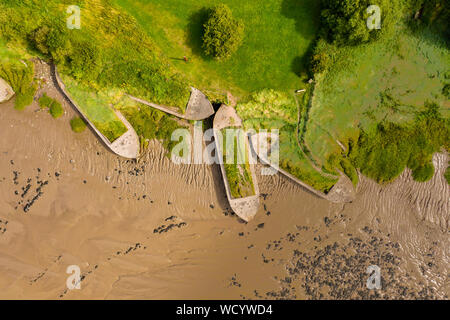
(278, 33)
(236, 163)
(45, 101)
(11, 54)
(371, 101)
(389, 81)
(269, 104)
(150, 123)
(349, 170)
(56, 110)
(384, 153)
(374, 99)
(96, 106)
(270, 109)
(424, 173)
(78, 125)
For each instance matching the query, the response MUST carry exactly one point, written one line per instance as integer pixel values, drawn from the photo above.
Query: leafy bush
(54, 107)
(77, 124)
(151, 124)
(56, 110)
(319, 62)
(238, 174)
(383, 154)
(345, 21)
(423, 173)
(446, 91)
(85, 60)
(223, 34)
(45, 101)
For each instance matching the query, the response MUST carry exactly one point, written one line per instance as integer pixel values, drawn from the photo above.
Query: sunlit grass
(278, 33)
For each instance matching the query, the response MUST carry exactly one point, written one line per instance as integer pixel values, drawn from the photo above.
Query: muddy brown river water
(155, 230)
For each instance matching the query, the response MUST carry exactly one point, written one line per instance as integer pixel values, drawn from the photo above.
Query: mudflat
(152, 229)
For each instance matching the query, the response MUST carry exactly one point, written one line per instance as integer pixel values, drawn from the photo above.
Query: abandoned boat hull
(246, 208)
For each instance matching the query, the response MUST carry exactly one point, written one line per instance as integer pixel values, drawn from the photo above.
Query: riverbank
(154, 229)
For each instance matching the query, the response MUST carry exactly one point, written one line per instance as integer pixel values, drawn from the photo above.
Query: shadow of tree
(195, 31)
(301, 12)
(301, 64)
(298, 66)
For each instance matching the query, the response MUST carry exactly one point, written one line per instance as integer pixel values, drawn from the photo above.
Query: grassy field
(369, 97)
(389, 81)
(11, 54)
(236, 164)
(368, 111)
(96, 106)
(149, 123)
(278, 33)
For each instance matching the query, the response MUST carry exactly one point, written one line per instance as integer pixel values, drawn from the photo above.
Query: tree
(58, 44)
(39, 39)
(434, 12)
(345, 21)
(319, 62)
(85, 60)
(52, 41)
(223, 34)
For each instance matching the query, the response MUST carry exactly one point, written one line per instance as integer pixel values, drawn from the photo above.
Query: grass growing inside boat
(150, 123)
(236, 163)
